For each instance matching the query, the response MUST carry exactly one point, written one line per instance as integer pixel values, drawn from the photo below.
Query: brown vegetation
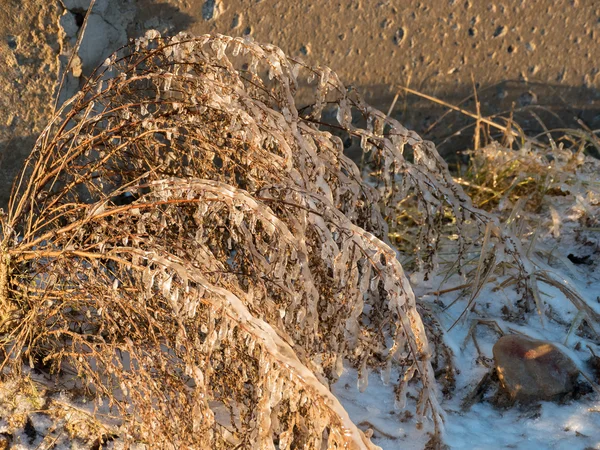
(188, 246)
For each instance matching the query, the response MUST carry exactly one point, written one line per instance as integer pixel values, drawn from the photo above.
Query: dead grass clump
(542, 195)
(192, 253)
(497, 177)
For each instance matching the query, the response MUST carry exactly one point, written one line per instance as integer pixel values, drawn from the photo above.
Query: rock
(532, 370)
(69, 25)
(106, 30)
(101, 38)
(594, 364)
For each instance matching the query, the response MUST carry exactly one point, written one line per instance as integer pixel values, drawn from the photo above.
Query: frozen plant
(203, 257)
(189, 246)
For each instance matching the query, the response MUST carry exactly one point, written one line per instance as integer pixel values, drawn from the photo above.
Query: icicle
(167, 82)
(236, 48)
(166, 286)
(339, 365)
(253, 65)
(363, 377)
(386, 372)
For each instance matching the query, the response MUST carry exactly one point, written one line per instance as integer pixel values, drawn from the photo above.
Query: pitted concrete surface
(526, 56)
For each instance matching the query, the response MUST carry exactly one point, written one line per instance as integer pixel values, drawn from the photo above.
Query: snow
(574, 424)
(571, 426)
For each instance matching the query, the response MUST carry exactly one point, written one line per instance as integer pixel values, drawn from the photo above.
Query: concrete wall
(539, 56)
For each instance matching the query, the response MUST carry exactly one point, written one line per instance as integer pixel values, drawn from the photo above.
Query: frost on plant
(196, 248)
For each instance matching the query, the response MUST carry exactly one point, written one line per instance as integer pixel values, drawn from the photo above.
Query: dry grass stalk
(205, 259)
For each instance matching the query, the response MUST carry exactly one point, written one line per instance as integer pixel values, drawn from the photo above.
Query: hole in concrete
(235, 22)
(79, 15)
(210, 9)
(500, 31)
(399, 36)
(12, 42)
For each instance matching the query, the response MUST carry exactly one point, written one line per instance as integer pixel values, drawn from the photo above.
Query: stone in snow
(533, 370)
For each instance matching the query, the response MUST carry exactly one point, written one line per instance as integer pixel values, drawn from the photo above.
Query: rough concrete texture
(429, 45)
(531, 56)
(533, 370)
(539, 55)
(30, 42)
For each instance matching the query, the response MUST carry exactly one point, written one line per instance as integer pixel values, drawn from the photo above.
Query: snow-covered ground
(574, 424)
